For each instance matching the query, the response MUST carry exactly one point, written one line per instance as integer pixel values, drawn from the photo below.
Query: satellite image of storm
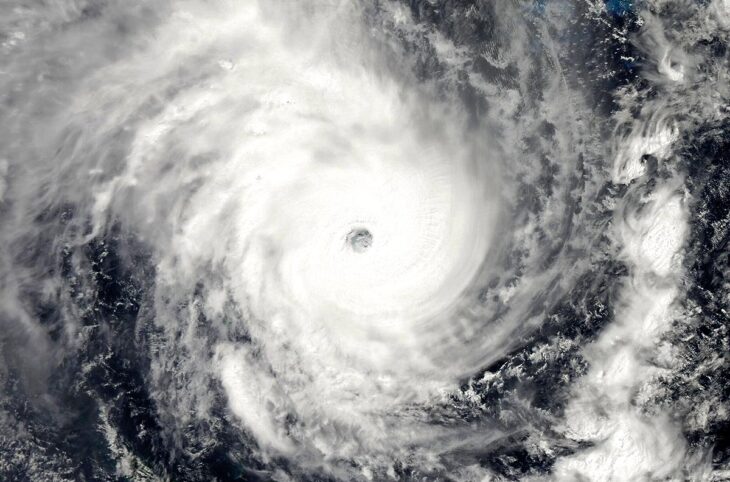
(364, 240)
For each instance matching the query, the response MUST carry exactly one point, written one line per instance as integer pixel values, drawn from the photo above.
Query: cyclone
(378, 240)
(346, 220)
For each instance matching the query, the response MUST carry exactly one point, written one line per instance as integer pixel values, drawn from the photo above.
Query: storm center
(359, 239)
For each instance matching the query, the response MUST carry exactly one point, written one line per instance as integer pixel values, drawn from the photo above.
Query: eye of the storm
(359, 239)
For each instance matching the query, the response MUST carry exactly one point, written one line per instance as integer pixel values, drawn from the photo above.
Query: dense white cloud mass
(331, 240)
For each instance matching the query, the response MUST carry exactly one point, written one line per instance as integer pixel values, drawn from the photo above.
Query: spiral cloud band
(323, 153)
(380, 240)
(343, 216)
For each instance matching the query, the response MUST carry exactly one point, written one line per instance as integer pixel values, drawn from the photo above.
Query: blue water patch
(617, 8)
(620, 8)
